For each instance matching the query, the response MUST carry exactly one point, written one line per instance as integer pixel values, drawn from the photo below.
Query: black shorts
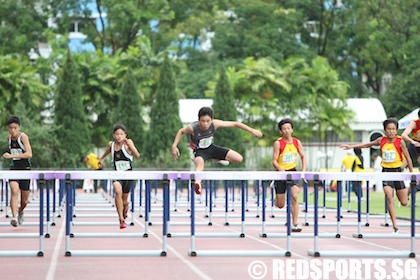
(212, 152)
(126, 185)
(397, 185)
(281, 185)
(24, 185)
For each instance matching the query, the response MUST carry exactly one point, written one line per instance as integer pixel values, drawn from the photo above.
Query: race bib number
(389, 156)
(16, 152)
(122, 165)
(418, 135)
(288, 158)
(205, 142)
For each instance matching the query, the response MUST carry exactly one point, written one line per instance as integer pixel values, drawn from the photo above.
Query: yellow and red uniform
(391, 153)
(415, 133)
(288, 154)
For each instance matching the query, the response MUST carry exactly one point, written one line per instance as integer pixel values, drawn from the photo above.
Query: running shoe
(14, 222)
(197, 188)
(223, 162)
(395, 231)
(20, 218)
(296, 228)
(122, 225)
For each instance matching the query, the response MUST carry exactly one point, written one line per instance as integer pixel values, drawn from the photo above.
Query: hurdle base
(19, 235)
(116, 253)
(107, 235)
(21, 253)
(299, 235)
(239, 253)
(365, 254)
(385, 236)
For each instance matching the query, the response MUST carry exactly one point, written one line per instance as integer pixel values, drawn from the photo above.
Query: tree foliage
(282, 58)
(165, 123)
(22, 25)
(69, 117)
(225, 109)
(129, 111)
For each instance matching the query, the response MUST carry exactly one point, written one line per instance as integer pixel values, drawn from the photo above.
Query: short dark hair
(82, 158)
(390, 120)
(119, 126)
(205, 111)
(13, 119)
(284, 121)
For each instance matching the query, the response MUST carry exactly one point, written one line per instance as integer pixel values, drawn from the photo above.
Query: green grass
(376, 203)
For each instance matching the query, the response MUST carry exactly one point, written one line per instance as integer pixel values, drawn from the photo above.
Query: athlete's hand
(416, 144)
(345, 146)
(175, 153)
(257, 133)
(7, 155)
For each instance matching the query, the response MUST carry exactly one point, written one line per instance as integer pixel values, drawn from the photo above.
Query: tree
(119, 22)
(253, 28)
(225, 109)
(129, 111)
(23, 25)
(402, 92)
(19, 83)
(69, 117)
(165, 123)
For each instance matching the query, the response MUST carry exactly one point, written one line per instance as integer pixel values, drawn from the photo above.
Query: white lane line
(54, 258)
(193, 267)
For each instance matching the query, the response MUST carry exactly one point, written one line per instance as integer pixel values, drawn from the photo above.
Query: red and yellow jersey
(288, 154)
(415, 133)
(391, 153)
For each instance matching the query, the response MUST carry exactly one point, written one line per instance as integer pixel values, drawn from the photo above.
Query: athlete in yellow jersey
(92, 162)
(414, 129)
(393, 151)
(285, 154)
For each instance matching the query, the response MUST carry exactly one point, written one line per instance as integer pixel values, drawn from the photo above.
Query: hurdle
(234, 176)
(42, 177)
(396, 236)
(69, 176)
(288, 222)
(357, 176)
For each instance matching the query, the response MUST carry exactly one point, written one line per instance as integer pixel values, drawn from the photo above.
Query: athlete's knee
(280, 204)
(240, 158)
(295, 198)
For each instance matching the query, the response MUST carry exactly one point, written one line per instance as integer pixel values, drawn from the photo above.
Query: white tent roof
(370, 114)
(406, 120)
